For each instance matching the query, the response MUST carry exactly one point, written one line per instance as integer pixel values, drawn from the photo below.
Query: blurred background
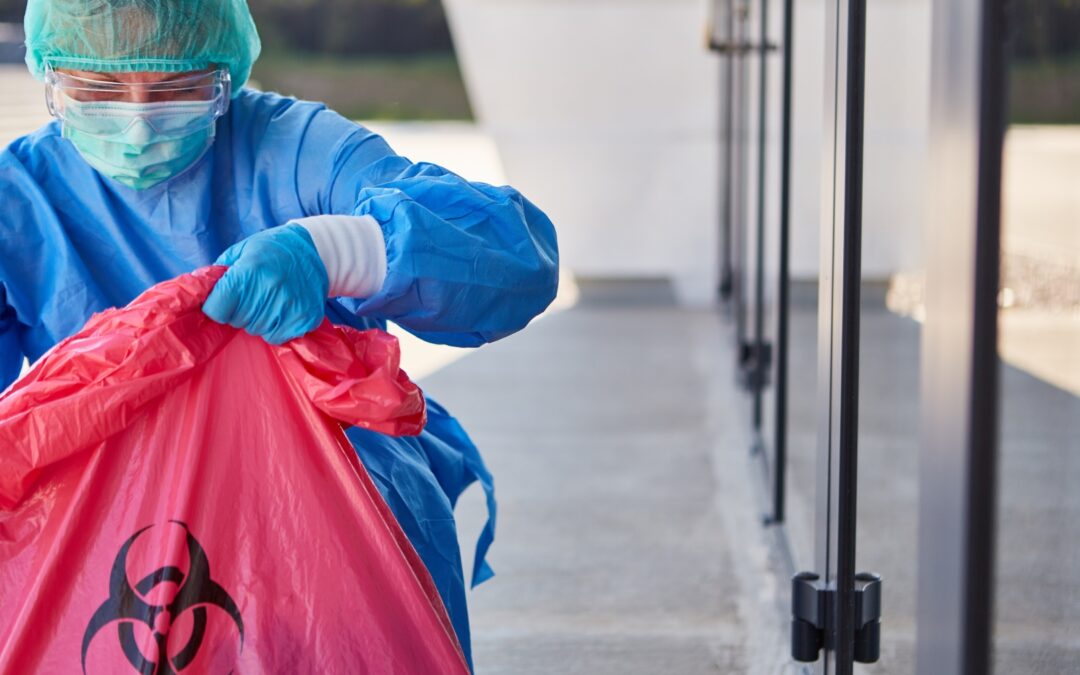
(370, 59)
(367, 59)
(636, 431)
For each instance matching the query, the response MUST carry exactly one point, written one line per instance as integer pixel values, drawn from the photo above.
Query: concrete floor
(628, 537)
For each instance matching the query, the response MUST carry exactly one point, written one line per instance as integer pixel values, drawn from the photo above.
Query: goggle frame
(216, 83)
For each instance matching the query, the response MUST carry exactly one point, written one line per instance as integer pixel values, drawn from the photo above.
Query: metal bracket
(726, 287)
(740, 47)
(755, 365)
(812, 606)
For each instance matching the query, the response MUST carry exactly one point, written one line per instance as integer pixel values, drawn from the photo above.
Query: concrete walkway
(628, 536)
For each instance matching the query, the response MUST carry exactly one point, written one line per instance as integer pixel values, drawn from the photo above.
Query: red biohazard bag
(177, 496)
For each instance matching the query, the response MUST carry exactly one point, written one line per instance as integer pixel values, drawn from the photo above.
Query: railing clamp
(722, 47)
(754, 365)
(812, 608)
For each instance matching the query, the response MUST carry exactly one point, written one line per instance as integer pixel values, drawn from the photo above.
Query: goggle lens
(211, 87)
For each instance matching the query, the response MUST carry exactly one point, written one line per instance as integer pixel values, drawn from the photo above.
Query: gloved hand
(275, 288)
(278, 280)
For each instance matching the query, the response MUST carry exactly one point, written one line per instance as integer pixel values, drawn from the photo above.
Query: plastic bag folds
(177, 496)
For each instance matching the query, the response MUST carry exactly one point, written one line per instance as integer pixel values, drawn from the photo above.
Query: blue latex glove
(276, 285)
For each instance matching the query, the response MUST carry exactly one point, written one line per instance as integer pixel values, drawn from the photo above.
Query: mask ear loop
(226, 91)
(50, 91)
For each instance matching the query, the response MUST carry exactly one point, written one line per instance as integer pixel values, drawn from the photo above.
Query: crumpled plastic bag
(177, 496)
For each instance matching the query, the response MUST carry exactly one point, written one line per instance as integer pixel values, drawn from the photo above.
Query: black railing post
(727, 106)
(848, 471)
(761, 363)
(784, 277)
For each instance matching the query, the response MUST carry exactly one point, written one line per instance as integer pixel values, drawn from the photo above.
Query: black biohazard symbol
(127, 606)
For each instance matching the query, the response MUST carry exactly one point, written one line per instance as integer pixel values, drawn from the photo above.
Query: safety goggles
(213, 87)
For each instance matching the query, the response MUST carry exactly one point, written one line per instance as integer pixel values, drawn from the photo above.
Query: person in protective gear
(160, 161)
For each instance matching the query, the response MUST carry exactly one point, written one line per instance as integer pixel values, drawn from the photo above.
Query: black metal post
(839, 324)
(738, 183)
(783, 282)
(760, 362)
(983, 465)
(727, 105)
(848, 470)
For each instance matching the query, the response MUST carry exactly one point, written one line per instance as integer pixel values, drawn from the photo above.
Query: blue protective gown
(468, 263)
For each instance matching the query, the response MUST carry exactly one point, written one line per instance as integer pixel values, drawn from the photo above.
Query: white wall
(606, 114)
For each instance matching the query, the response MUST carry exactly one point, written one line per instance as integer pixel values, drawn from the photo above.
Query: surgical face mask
(139, 144)
(139, 133)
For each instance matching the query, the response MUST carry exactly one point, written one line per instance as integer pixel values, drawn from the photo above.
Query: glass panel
(762, 207)
(894, 192)
(755, 308)
(895, 145)
(807, 105)
(1037, 605)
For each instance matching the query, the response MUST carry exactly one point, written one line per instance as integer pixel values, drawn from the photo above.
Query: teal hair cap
(141, 35)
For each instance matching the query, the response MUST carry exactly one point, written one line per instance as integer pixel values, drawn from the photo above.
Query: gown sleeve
(467, 263)
(11, 356)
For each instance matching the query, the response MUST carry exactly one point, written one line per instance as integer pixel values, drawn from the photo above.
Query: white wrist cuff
(353, 250)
